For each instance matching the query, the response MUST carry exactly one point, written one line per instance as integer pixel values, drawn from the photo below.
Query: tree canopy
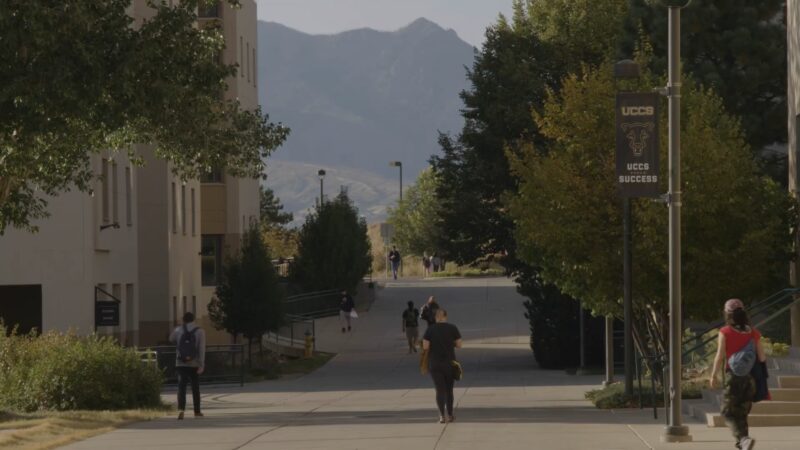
(80, 77)
(569, 216)
(416, 218)
(333, 247)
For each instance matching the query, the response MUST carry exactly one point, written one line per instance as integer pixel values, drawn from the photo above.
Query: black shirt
(443, 337)
(429, 312)
(410, 317)
(347, 303)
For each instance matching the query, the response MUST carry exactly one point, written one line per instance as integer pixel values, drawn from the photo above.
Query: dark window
(211, 259)
(215, 176)
(208, 10)
(21, 306)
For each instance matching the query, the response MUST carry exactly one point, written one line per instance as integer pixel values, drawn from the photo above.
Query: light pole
(399, 164)
(321, 174)
(675, 430)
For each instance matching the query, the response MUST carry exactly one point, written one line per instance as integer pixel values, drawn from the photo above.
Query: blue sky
(468, 18)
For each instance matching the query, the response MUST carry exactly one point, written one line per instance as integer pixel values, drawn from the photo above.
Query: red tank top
(735, 341)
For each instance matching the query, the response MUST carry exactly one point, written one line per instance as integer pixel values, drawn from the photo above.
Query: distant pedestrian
(346, 308)
(436, 262)
(428, 312)
(190, 354)
(411, 326)
(394, 260)
(739, 344)
(426, 266)
(440, 341)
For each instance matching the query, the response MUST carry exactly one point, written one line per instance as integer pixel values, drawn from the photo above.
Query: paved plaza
(372, 396)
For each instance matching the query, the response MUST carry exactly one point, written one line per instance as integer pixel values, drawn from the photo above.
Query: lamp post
(399, 165)
(321, 174)
(675, 430)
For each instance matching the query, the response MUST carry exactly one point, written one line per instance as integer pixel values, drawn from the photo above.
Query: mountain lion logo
(637, 133)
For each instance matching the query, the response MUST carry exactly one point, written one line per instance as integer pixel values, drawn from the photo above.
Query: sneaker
(199, 414)
(180, 415)
(451, 419)
(343, 330)
(348, 328)
(747, 443)
(441, 419)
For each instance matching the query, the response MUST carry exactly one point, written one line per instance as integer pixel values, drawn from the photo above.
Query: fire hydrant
(309, 348)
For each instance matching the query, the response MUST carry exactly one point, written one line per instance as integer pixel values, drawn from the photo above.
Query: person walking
(411, 326)
(346, 307)
(739, 344)
(190, 341)
(435, 262)
(440, 341)
(426, 266)
(428, 313)
(394, 260)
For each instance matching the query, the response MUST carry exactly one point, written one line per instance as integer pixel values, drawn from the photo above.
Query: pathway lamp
(321, 175)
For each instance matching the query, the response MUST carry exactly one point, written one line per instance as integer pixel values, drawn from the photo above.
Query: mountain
(359, 99)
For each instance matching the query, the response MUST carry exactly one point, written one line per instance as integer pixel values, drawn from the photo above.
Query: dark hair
(188, 317)
(410, 304)
(737, 318)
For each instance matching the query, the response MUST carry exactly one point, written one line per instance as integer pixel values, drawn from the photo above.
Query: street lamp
(321, 174)
(400, 165)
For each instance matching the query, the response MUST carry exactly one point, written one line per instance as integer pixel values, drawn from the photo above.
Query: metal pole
(582, 346)
(401, 182)
(609, 351)
(627, 297)
(320, 191)
(675, 430)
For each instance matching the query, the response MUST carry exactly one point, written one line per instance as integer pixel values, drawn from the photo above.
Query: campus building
(793, 100)
(143, 237)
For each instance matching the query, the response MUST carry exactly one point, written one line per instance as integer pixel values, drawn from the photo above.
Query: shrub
(57, 371)
(613, 396)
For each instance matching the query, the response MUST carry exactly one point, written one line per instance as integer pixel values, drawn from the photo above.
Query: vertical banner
(637, 144)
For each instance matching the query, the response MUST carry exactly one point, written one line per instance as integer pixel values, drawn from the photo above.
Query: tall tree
(569, 216)
(737, 47)
(333, 247)
(417, 230)
(272, 212)
(249, 299)
(80, 77)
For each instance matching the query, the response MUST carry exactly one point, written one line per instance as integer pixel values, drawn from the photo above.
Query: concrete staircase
(782, 411)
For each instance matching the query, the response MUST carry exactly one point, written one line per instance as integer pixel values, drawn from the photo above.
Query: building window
(255, 67)
(241, 55)
(214, 176)
(183, 209)
(104, 189)
(248, 62)
(208, 11)
(174, 210)
(194, 305)
(175, 310)
(194, 214)
(128, 199)
(130, 314)
(184, 304)
(211, 259)
(114, 191)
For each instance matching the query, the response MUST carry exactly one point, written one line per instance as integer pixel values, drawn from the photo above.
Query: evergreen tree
(272, 213)
(417, 230)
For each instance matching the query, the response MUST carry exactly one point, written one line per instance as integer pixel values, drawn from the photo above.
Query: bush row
(57, 371)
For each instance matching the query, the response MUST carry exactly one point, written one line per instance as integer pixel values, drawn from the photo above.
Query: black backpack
(187, 345)
(411, 318)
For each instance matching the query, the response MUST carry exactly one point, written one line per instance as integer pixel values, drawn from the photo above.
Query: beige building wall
(793, 100)
(71, 255)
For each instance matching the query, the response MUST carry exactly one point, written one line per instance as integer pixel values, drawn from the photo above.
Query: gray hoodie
(200, 338)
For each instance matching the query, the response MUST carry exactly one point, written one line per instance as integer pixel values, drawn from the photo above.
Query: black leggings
(444, 381)
(187, 375)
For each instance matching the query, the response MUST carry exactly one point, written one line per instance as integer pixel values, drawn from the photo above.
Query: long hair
(737, 318)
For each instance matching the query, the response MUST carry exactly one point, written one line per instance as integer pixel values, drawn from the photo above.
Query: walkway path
(371, 396)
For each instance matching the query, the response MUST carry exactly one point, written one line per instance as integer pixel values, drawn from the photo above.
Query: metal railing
(313, 304)
(293, 331)
(224, 364)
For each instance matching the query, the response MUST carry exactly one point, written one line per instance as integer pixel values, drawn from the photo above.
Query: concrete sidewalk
(371, 395)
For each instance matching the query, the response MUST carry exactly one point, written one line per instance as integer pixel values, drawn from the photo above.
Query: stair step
(789, 381)
(776, 407)
(785, 395)
(759, 420)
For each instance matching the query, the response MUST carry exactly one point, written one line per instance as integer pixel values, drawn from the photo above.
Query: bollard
(309, 345)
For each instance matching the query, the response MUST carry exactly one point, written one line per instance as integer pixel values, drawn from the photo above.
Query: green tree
(736, 47)
(333, 247)
(416, 218)
(569, 217)
(80, 77)
(272, 213)
(248, 300)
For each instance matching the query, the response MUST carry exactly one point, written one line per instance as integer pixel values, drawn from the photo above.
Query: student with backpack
(739, 345)
(411, 326)
(190, 343)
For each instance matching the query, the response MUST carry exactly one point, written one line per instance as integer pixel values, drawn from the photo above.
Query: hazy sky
(468, 18)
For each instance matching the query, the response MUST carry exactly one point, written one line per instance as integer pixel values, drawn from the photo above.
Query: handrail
(306, 295)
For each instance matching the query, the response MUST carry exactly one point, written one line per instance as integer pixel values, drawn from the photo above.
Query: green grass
(276, 368)
(613, 396)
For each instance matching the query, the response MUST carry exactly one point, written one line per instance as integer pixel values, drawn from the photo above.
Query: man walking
(394, 260)
(411, 326)
(190, 355)
(346, 306)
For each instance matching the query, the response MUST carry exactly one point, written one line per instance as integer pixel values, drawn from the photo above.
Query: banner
(637, 144)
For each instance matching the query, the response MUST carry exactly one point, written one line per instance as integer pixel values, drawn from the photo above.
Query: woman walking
(739, 344)
(440, 341)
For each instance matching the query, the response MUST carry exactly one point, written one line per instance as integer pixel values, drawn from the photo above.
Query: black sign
(637, 144)
(106, 314)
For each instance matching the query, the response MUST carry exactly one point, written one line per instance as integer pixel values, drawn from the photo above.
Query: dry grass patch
(40, 431)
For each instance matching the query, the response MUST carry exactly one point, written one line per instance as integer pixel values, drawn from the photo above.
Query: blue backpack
(742, 362)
